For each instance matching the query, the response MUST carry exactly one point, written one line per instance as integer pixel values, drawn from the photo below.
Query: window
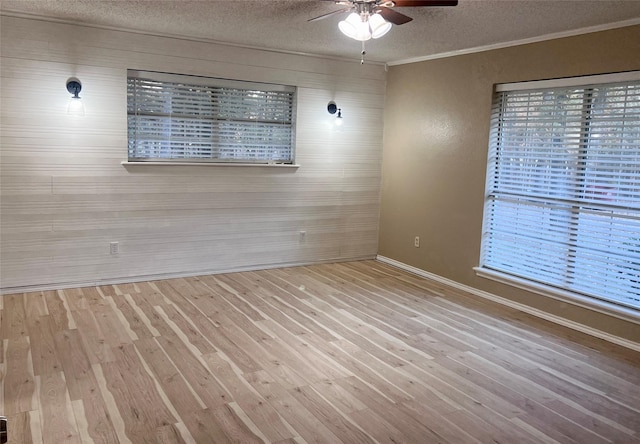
(188, 118)
(562, 204)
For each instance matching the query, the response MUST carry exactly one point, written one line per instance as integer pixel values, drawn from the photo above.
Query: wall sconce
(75, 106)
(333, 108)
(74, 87)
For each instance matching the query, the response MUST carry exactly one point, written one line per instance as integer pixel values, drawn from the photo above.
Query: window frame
(586, 300)
(240, 87)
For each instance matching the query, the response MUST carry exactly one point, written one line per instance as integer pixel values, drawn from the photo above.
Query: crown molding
(43, 18)
(542, 38)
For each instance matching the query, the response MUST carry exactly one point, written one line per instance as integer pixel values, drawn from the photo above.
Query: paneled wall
(65, 194)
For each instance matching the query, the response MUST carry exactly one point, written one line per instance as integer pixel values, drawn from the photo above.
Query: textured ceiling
(283, 25)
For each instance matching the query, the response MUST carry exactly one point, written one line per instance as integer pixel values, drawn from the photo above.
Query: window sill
(608, 308)
(211, 164)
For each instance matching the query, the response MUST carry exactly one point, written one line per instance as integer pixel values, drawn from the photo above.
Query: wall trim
(537, 39)
(45, 18)
(162, 276)
(542, 38)
(516, 305)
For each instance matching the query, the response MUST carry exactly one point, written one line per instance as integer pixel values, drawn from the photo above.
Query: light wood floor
(356, 353)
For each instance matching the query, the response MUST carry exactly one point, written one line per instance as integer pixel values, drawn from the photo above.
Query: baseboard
(516, 305)
(161, 276)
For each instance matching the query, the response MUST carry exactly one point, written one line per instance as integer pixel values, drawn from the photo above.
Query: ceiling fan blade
(320, 17)
(393, 17)
(413, 4)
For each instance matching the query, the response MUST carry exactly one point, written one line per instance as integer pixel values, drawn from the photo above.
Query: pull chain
(362, 54)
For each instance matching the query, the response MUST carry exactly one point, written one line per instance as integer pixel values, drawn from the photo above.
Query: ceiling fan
(373, 18)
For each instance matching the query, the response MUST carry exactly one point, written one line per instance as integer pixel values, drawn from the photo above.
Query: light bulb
(379, 26)
(75, 107)
(355, 27)
(347, 26)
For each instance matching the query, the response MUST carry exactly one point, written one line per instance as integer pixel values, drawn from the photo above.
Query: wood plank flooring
(354, 352)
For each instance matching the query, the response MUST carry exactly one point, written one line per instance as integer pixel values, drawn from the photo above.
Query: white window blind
(563, 189)
(174, 117)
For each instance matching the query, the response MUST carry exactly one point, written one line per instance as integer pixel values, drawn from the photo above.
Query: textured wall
(435, 149)
(65, 195)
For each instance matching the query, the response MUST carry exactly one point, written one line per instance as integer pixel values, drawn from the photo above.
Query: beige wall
(65, 195)
(435, 148)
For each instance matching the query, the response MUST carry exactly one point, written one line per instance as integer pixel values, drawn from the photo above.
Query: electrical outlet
(303, 237)
(114, 248)
(416, 241)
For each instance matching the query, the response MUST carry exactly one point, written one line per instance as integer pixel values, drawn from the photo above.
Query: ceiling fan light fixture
(378, 25)
(356, 27)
